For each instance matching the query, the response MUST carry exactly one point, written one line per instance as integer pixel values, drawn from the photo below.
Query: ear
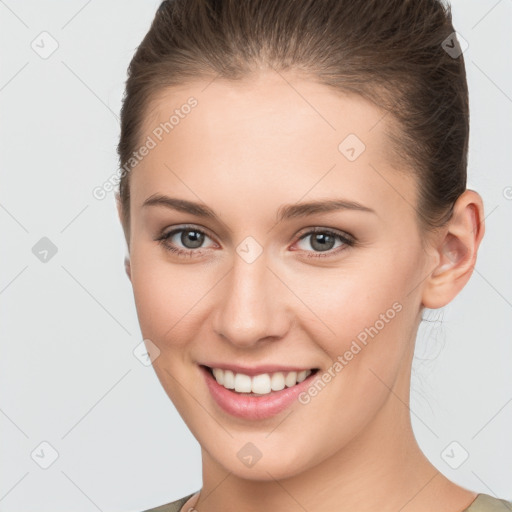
(127, 267)
(120, 215)
(119, 207)
(456, 251)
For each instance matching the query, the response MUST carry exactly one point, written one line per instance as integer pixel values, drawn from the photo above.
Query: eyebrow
(285, 212)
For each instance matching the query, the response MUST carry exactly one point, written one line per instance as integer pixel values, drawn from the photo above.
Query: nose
(252, 305)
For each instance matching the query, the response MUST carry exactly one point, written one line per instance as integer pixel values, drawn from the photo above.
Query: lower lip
(254, 407)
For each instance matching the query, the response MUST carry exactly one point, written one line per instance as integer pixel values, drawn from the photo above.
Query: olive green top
(482, 503)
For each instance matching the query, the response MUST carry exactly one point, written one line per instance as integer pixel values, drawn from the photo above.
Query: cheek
(363, 312)
(166, 295)
(347, 302)
(154, 292)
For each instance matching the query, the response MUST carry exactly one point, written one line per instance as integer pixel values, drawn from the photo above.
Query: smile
(255, 397)
(261, 384)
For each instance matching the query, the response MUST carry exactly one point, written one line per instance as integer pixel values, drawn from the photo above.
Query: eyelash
(347, 240)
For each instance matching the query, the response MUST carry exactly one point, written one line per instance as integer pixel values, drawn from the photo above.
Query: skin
(246, 149)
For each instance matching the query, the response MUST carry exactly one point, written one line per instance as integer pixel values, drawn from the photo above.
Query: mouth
(261, 384)
(259, 396)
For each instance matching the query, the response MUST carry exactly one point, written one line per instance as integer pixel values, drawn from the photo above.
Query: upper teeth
(261, 384)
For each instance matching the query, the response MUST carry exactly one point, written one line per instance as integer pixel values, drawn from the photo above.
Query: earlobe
(457, 252)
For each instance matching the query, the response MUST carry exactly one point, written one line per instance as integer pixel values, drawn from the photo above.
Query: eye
(323, 241)
(191, 239)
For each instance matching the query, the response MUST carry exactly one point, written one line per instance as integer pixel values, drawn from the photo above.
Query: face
(265, 285)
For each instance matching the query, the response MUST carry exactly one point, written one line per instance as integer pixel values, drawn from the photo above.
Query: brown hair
(391, 52)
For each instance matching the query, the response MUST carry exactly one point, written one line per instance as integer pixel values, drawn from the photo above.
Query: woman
(293, 196)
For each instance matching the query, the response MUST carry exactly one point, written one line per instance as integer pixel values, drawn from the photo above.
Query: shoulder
(486, 503)
(174, 506)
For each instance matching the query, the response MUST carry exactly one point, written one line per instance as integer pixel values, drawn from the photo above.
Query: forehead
(273, 133)
(304, 114)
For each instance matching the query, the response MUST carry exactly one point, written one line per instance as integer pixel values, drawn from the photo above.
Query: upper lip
(256, 370)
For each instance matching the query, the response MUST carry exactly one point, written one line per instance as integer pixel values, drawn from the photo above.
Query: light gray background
(69, 327)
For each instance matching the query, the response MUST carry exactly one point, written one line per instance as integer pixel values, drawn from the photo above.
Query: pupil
(192, 237)
(323, 240)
